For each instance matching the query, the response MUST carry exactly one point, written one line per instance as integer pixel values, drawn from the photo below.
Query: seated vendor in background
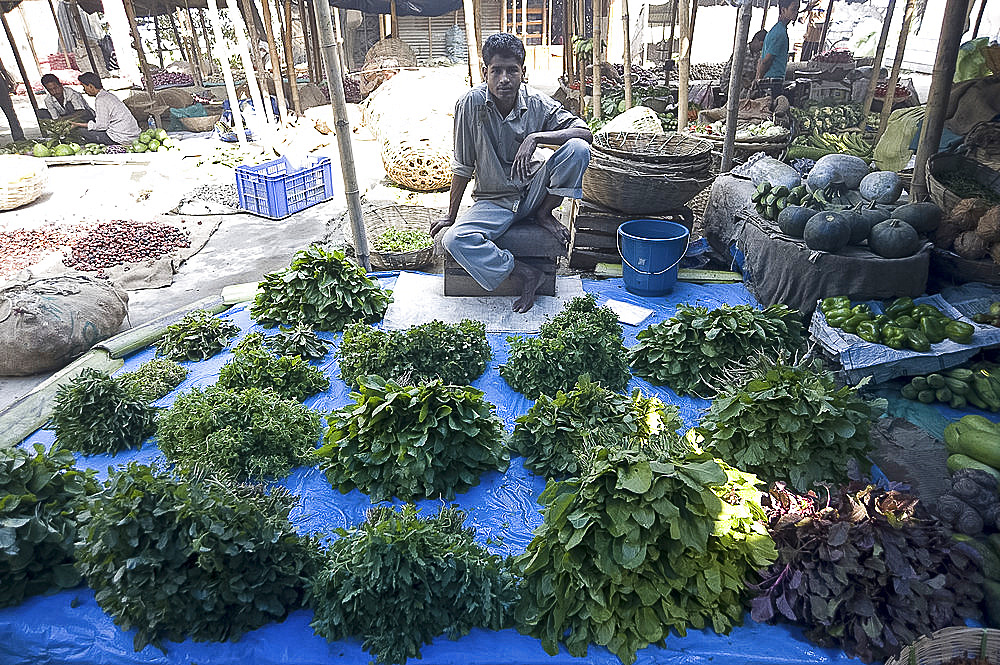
(65, 103)
(113, 122)
(749, 75)
(773, 61)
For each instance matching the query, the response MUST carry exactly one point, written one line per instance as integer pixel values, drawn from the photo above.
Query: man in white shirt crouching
(113, 123)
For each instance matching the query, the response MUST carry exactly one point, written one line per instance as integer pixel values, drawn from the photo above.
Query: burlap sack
(46, 323)
(174, 98)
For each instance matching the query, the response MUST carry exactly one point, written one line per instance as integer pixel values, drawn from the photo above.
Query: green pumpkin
(827, 232)
(792, 220)
(894, 239)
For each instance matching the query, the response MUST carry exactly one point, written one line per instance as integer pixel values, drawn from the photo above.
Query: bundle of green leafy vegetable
(298, 340)
(195, 558)
(791, 423)
(554, 433)
(93, 414)
(254, 366)
(412, 442)
(41, 495)
(398, 581)
(153, 380)
(455, 353)
(246, 434)
(866, 571)
(321, 289)
(693, 351)
(581, 339)
(648, 539)
(197, 336)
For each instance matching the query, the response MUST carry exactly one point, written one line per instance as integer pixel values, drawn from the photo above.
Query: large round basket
(636, 193)
(655, 148)
(946, 162)
(22, 180)
(205, 123)
(689, 169)
(951, 267)
(402, 218)
(948, 643)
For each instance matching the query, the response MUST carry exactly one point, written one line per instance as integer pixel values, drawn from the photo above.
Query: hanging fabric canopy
(403, 7)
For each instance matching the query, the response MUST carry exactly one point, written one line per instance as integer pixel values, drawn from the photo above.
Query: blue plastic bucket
(651, 250)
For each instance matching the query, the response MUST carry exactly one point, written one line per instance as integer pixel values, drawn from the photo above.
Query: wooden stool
(528, 242)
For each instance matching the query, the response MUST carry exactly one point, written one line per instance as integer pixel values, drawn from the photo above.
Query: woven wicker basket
(655, 148)
(204, 123)
(402, 218)
(635, 193)
(948, 643)
(947, 162)
(23, 180)
(420, 164)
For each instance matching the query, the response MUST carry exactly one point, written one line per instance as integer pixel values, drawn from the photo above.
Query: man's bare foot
(548, 222)
(530, 279)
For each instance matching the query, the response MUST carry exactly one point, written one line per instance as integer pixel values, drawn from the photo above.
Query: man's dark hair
(505, 45)
(782, 4)
(90, 78)
(50, 78)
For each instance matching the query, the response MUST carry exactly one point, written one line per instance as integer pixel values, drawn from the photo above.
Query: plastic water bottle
(150, 122)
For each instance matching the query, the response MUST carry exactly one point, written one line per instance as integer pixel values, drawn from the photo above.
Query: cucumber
(976, 437)
(943, 395)
(956, 386)
(935, 381)
(920, 383)
(991, 562)
(909, 392)
(958, 402)
(926, 396)
(959, 461)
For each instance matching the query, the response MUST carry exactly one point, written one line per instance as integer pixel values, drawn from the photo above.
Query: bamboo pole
(548, 22)
(979, 18)
(596, 72)
(826, 26)
(250, 65)
(674, 10)
(177, 34)
(735, 83)
(137, 44)
(279, 88)
(293, 78)
(503, 17)
(31, 40)
(195, 48)
(208, 42)
(343, 130)
(227, 72)
(475, 68)
(877, 66)
(683, 64)
(338, 35)
(628, 56)
(430, 39)
(763, 19)
(303, 21)
(477, 11)
(74, 9)
(567, 32)
(20, 66)
(393, 18)
(63, 44)
(581, 62)
(955, 15)
(890, 95)
(159, 41)
(247, 15)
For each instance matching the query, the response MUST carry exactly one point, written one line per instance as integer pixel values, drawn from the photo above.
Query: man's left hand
(522, 160)
(79, 124)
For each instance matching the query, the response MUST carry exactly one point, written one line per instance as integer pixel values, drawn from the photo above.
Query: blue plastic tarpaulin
(70, 628)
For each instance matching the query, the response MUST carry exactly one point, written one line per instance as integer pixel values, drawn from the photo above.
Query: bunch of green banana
(847, 143)
(770, 201)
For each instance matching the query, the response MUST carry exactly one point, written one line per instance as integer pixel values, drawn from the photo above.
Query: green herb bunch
(254, 366)
(693, 351)
(455, 353)
(93, 414)
(198, 336)
(554, 433)
(398, 581)
(321, 289)
(791, 423)
(195, 558)
(247, 434)
(581, 339)
(402, 240)
(298, 340)
(412, 442)
(866, 571)
(40, 499)
(153, 380)
(646, 540)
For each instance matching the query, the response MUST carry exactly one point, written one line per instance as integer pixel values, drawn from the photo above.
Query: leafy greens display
(412, 442)
(254, 366)
(398, 581)
(198, 336)
(153, 380)
(298, 340)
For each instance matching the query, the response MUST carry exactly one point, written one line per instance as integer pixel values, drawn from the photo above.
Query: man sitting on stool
(113, 123)
(498, 127)
(65, 103)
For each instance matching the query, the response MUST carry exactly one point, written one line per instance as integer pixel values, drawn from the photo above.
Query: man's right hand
(440, 225)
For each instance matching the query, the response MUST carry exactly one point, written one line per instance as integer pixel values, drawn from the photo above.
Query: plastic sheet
(70, 628)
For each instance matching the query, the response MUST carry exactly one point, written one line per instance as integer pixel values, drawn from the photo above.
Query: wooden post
(628, 56)
(430, 39)
(567, 39)
(31, 40)
(137, 44)
(303, 16)
(247, 16)
(879, 54)
(195, 49)
(261, 102)
(74, 9)
(683, 65)
(342, 128)
(63, 43)
(227, 72)
(293, 78)
(596, 73)
(503, 17)
(890, 95)
(20, 66)
(177, 34)
(581, 63)
(477, 11)
(338, 35)
(735, 83)
(394, 19)
(955, 14)
(279, 88)
(159, 41)
(548, 22)
(979, 18)
(827, 17)
(674, 11)
(475, 68)
(208, 42)
(763, 19)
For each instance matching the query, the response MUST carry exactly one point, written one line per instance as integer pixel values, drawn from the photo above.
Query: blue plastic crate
(274, 190)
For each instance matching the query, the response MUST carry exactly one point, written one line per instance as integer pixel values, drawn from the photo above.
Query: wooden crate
(594, 233)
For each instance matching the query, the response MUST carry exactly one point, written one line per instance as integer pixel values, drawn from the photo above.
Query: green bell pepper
(923, 309)
(933, 328)
(868, 331)
(862, 309)
(851, 324)
(827, 305)
(899, 307)
(917, 341)
(837, 317)
(881, 320)
(894, 337)
(959, 332)
(906, 321)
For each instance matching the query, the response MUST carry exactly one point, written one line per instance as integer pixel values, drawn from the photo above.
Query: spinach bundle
(648, 539)
(41, 496)
(153, 380)
(194, 558)
(93, 414)
(298, 340)
(581, 339)
(198, 336)
(867, 571)
(694, 350)
(254, 366)
(321, 289)
(791, 423)
(554, 433)
(455, 353)
(398, 581)
(412, 442)
(241, 433)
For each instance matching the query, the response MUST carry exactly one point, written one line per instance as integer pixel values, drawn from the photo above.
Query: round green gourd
(924, 217)
(894, 239)
(792, 220)
(860, 226)
(845, 170)
(881, 187)
(827, 232)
